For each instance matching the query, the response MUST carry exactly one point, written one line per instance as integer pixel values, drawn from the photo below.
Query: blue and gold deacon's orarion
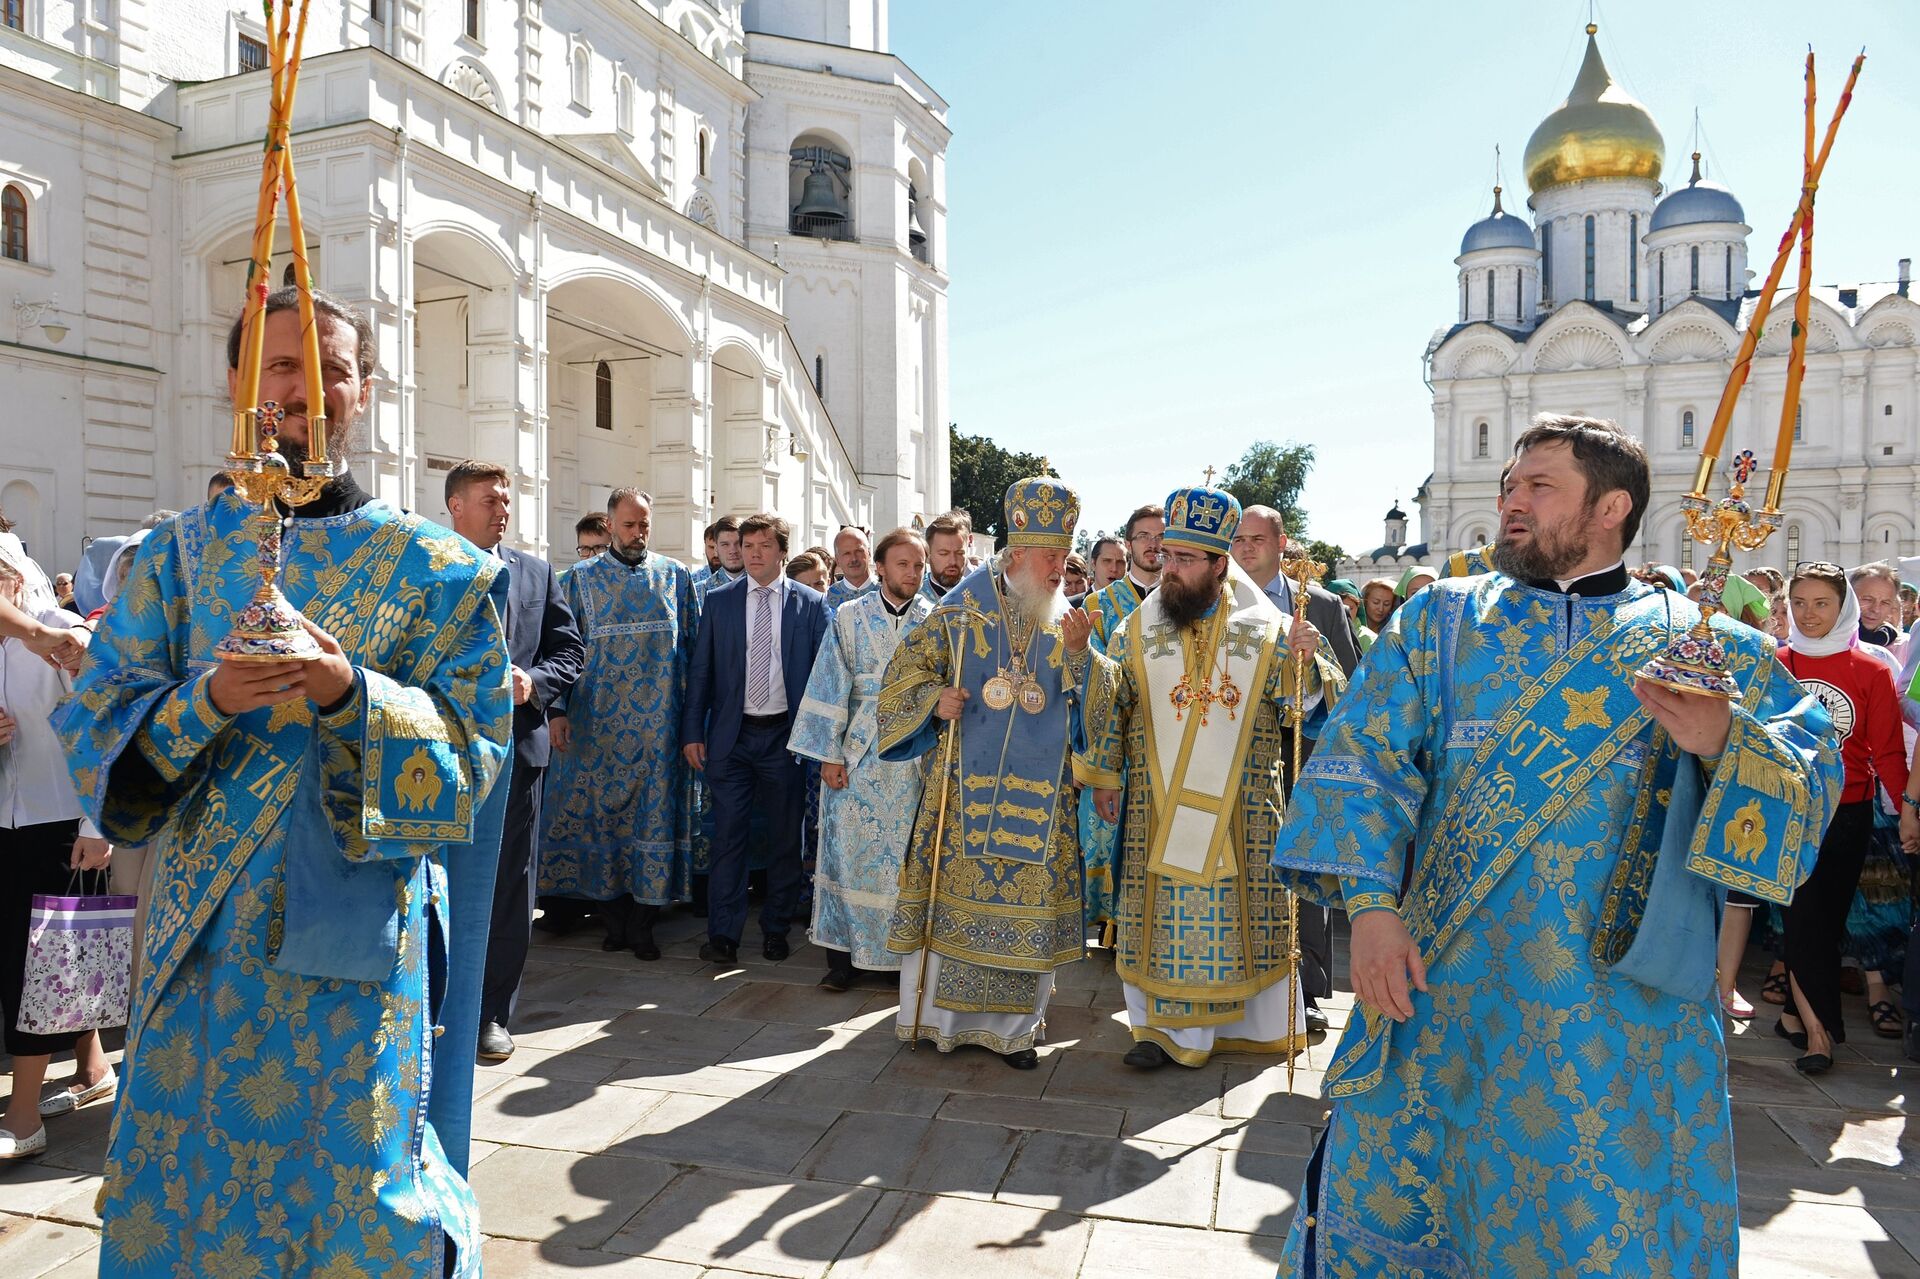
(1041, 512)
(1202, 519)
(299, 1077)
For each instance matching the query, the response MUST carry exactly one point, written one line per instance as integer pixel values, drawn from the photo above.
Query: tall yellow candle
(1756, 325)
(1797, 350)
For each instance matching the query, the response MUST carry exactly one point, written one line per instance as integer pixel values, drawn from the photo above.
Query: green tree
(1327, 553)
(1270, 474)
(982, 473)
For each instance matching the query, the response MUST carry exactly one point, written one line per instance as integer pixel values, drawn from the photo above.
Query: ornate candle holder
(1696, 662)
(269, 628)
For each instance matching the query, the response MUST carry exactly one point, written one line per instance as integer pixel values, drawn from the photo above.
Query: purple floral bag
(79, 958)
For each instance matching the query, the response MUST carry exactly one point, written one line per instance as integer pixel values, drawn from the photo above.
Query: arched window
(1694, 282)
(1589, 293)
(582, 66)
(1660, 284)
(603, 396)
(702, 147)
(820, 188)
(470, 26)
(1686, 429)
(623, 103)
(1463, 299)
(13, 224)
(1480, 440)
(820, 377)
(1730, 289)
(1489, 295)
(1519, 308)
(1886, 411)
(1793, 547)
(1546, 262)
(1633, 258)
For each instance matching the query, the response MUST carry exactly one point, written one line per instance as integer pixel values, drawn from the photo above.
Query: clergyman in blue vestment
(300, 1047)
(1536, 1080)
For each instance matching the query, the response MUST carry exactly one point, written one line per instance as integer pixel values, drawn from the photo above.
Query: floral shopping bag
(79, 958)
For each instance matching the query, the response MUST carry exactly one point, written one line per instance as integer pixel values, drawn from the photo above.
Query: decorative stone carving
(465, 77)
(1578, 348)
(1687, 343)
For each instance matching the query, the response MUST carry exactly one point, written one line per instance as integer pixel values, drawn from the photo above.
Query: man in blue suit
(547, 653)
(750, 666)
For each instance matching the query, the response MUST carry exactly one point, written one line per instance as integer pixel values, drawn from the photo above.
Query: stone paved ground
(682, 1121)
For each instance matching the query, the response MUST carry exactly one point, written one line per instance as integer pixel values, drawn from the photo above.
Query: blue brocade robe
(298, 1080)
(844, 592)
(1542, 1112)
(1109, 606)
(864, 827)
(619, 803)
(1008, 909)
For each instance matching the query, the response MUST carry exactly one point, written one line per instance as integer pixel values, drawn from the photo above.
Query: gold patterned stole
(1194, 753)
(1544, 751)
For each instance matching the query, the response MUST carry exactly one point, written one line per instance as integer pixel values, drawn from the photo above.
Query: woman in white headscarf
(1825, 654)
(43, 840)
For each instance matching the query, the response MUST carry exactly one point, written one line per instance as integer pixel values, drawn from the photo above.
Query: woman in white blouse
(43, 840)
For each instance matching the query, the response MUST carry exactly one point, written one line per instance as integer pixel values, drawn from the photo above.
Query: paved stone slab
(969, 1070)
(1821, 1241)
(794, 1004)
(29, 1189)
(516, 1259)
(1100, 1078)
(1773, 1083)
(562, 1198)
(1093, 1176)
(84, 1266)
(1904, 1227)
(907, 1152)
(876, 1098)
(661, 1074)
(1871, 1086)
(1759, 1142)
(718, 1132)
(1257, 1192)
(30, 1248)
(679, 1036)
(1221, 1133)
(1098, 1027)
(764, 1225)
(1029, 1112)
(1131, 1250)
(559, 1114)
(841, 1054)
(911, 1236)
(1850, 1138)
(1257, 1089)
(556, 1026)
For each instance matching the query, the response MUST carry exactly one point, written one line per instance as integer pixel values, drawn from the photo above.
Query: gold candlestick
(270, 628)
(1696, 662)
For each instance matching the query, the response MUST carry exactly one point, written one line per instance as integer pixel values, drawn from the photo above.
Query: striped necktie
(760, 648)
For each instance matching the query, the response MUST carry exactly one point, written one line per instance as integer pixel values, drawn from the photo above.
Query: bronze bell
(819, 197)
(916, 234)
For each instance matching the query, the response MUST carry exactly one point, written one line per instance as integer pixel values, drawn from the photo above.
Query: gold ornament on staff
(1301, 569)
(1696, 662)
(957, 653)
(269, 628)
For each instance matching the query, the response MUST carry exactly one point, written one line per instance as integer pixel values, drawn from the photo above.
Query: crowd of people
(955, 775)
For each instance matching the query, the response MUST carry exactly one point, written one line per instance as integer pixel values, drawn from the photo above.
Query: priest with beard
(1535, 1080)
(1196, 714)
(992, 686)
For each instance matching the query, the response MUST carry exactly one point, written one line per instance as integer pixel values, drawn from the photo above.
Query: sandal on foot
(1774, 989)
(1886, 1019)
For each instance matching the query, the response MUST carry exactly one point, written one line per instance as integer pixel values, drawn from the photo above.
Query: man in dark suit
(547, 653)
(749, 671)
(1258, 546)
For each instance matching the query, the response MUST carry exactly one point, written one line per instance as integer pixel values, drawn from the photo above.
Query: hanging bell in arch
(819, 196)
(916, 233)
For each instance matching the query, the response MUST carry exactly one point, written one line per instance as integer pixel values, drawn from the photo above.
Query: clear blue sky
(1178, 228)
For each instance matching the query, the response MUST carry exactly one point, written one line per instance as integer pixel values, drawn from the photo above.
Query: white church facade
(696, 246)
(1625, 300)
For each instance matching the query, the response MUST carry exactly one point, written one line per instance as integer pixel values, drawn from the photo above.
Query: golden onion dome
(1598, 132)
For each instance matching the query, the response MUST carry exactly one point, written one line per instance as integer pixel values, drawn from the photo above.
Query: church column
(1444, 446)
(677, 471)
(1519, 408)
(1852, 434)
(1633, 381)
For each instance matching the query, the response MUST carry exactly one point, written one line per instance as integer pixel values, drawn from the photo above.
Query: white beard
(1035, 601)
